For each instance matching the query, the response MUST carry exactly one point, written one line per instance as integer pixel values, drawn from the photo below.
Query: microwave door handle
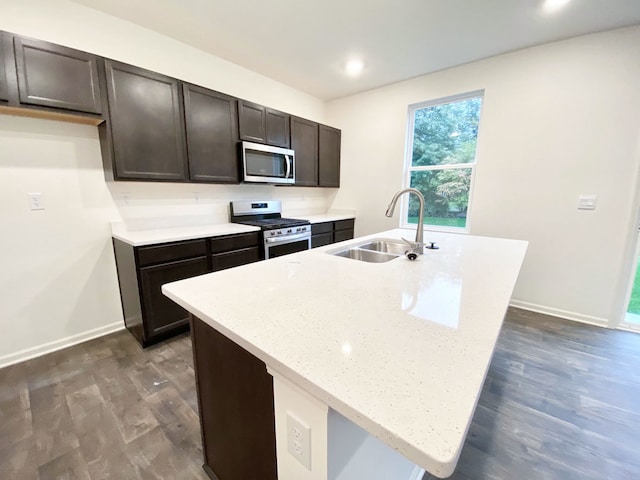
(287, 159)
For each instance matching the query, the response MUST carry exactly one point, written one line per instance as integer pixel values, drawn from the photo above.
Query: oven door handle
(288, 238)
(287, 160)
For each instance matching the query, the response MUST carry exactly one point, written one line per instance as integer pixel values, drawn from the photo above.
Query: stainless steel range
(281, 236)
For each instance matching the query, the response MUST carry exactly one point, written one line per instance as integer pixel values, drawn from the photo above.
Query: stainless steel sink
(366, 255)
(386, 246)
(375, 250)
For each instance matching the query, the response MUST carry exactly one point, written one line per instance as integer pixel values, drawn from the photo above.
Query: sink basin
(370, 256)
(387, 246)
(373, 250)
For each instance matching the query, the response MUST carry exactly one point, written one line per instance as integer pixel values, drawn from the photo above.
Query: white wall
(558, 120)
(58, 282)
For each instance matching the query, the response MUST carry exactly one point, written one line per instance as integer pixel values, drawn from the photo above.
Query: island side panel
(235, 398)
(294, 404)
(129, 288)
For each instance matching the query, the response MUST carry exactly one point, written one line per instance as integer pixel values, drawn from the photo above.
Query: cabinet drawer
(235, 258)
(321, 239)
(342, 235)
(317, 228)
(235, 242)
(345, 224)
(173, 251)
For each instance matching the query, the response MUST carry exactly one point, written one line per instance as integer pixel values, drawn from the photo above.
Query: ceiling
(305, 43)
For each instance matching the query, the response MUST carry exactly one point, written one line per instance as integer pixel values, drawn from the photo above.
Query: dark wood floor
(561, 401)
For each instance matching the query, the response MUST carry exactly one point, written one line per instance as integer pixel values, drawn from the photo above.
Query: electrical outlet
(299, 440)
(36, 201)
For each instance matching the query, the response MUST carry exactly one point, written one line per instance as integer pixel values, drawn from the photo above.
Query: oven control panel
(280, 232)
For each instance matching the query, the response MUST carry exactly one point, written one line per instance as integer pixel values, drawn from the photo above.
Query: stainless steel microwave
(267, 164)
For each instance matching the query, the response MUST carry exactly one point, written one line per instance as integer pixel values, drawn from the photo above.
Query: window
(441, 159)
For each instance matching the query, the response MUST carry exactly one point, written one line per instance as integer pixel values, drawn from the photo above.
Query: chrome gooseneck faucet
(417, 247)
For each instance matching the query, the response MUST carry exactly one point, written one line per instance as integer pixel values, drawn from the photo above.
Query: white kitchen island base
(339, 449)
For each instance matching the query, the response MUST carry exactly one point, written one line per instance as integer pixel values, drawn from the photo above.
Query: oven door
(276, 247)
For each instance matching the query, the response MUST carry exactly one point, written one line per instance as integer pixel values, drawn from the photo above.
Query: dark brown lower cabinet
(321, 234)
(148, 314)
(235, 399)
(235, 250)
(164, 315)
(331, 232)
(221, 261)
(343, 230)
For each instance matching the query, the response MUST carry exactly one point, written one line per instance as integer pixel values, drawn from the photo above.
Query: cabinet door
(235, 400)
(4, 89)
(321, 239)
(53, 76)
(328, 156)
(235, 258)
(235, 242)
(304, 141)
(252, 122)
(147, 124)
(342, 235)
(277, 128)
(162, 315)
(212, 135)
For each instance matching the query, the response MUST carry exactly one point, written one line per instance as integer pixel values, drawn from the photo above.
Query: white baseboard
(556, 312)
(49, 347)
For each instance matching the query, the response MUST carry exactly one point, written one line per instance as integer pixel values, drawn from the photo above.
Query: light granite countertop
(139, 238)
(399, 348)
(151, 236)
(326, 217)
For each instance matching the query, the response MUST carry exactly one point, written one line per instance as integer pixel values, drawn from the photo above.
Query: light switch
(36, 201)
(587, 202)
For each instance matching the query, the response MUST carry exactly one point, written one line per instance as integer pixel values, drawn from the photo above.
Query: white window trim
(408, 154)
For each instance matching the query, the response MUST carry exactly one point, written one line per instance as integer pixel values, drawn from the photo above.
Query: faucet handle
(411, 244)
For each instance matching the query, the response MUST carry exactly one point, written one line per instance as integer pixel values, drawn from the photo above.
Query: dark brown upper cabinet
(4, 89)
(277, 128)
(144, 139)
(212, 135)
(252, 121)
(58, 77)
(328, 156)
(263, 125)
(304, 141)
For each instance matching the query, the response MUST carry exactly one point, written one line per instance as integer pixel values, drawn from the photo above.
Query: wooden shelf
(47, 115)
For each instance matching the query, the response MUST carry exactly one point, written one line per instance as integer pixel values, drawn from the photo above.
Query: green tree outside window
(443, 156)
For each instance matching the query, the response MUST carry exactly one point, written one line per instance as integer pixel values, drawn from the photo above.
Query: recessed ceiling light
(354, 67)
(553, 5)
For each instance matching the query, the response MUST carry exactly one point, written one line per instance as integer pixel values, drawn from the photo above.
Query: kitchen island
(384, 362)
